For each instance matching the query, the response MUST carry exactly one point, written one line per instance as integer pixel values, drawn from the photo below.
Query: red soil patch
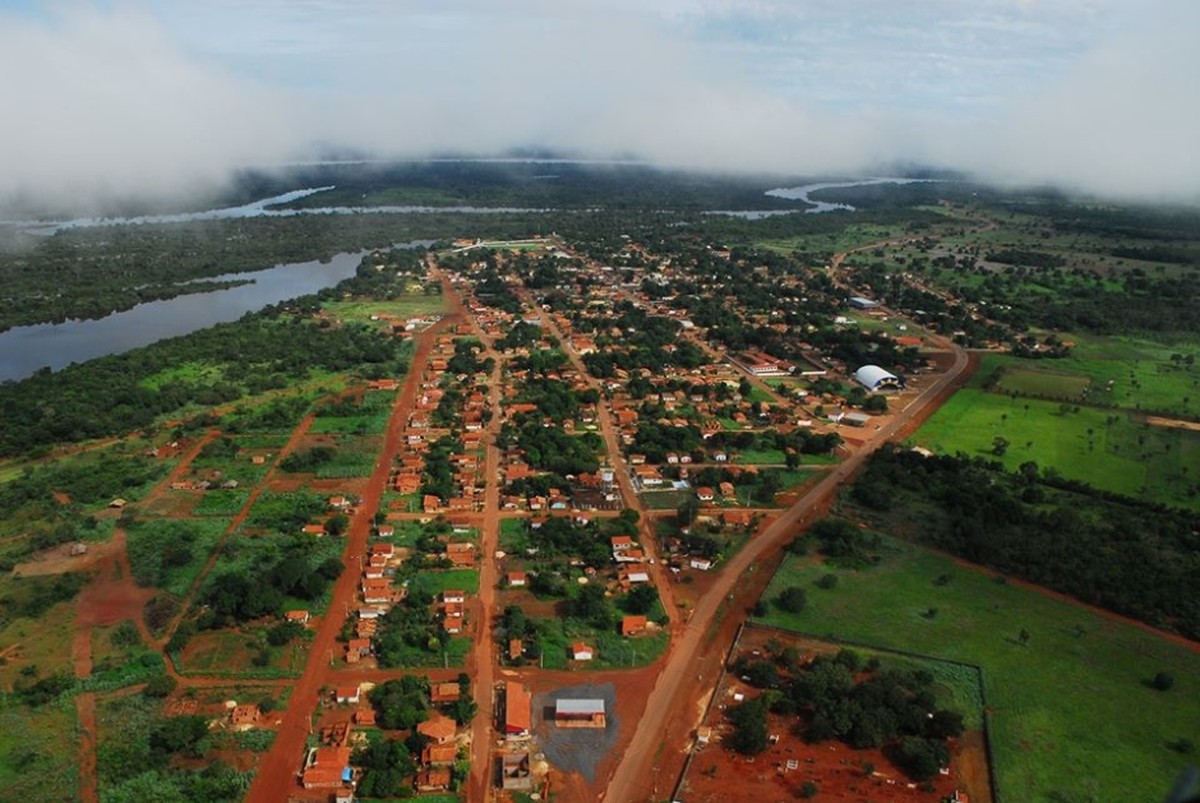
(718, 774)
(107, 601)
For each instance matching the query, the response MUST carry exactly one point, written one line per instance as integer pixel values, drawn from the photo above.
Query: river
(26, 349)
(261, 208)
(802, 193)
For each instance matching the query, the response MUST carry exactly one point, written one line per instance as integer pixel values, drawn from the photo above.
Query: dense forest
(1134, 558)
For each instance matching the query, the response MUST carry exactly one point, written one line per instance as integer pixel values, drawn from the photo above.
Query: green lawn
(514, 535)
(757, 394)
(1071, 717)
(437, 581)
(1108, 449)
(407, 533)
(372, 422)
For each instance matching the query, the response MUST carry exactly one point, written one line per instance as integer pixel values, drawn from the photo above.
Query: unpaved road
(634, 779)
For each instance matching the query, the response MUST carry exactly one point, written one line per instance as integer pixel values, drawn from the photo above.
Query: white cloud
(1124, 121)
(106, 104)
(123, 100)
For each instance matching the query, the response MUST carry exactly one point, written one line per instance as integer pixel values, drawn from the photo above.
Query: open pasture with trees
(1132, 557)
(1110, 449)
(1073, 714)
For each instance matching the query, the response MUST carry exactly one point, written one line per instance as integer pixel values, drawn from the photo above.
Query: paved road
(672, 690)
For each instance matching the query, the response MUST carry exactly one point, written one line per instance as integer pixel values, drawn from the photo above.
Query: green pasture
(854, 236)
(42, 642)
(405, 306)
(407, 533)
(369, 423)
(1030, 382)
(39, 751)
(1122, 371)
(1109, 449)
(514, 535)
(1071, 715)
(757, 394)
(193, 373)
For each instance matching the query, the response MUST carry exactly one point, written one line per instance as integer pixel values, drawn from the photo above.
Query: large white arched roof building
(875, 379)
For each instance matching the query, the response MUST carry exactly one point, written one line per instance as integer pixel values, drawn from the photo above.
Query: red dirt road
(634, 779)
(277, 776)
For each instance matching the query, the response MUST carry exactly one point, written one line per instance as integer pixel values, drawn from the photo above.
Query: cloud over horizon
(106, 102)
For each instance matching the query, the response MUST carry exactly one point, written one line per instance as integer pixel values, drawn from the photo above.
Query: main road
(631, 781)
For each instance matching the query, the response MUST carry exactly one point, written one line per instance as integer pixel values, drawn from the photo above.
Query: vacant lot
(1071, 714)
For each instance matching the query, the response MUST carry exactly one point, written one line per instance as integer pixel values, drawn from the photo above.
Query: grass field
(665, 500)
(1108, 449)
(406, 306)
(613, 651)
(440, 580)
(1071, 716)
(39, 752)
(148, 541)
(43, 643)
(759, 457)
(1030, 382)
(1142, 374)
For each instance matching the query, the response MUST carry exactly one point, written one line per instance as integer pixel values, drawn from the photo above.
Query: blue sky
(1092, 94)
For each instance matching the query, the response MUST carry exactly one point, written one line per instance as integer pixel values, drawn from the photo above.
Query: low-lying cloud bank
(104, 104)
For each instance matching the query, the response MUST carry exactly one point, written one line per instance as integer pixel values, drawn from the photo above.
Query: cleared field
(1070, 712)
(406, 306)
(1108, 449)
(1027, 381)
